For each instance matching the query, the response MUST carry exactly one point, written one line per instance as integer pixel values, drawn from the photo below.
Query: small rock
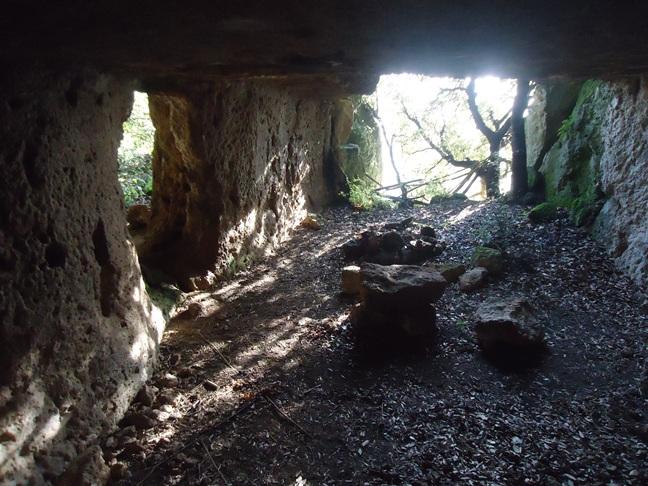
(160, 415)
(146, 395)
(310, 222)
(451, 271)
(166, 397)
(185, 372)
(193, 311)
(138, 420)
(132, 448)
(351, 280)
(398, 225)
(473, 279)
(391, 241)
(210, 385)
(118, 471)
(428, 231)
(488, 258)
(169, 380)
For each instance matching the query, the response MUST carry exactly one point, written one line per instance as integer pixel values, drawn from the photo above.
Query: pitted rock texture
(600, 165)
(236, 166)
(77, 330)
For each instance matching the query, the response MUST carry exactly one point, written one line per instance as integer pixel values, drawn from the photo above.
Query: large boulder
(508, 331)
(400, 287)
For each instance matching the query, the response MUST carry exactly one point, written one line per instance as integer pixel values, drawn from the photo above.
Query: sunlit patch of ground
(289, 397)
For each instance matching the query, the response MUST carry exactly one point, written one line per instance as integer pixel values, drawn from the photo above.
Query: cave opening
(323, 285)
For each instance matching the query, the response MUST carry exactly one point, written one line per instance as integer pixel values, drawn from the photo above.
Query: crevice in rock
(108, 278)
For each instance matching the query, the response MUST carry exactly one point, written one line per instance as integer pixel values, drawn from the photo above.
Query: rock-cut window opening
(135, 154)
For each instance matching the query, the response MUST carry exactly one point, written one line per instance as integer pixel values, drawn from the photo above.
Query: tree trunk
(491, 171)
(519, 182)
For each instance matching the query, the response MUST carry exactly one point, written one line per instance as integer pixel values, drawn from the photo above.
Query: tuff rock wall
(236, 166)
(77, 331)
(598, 168)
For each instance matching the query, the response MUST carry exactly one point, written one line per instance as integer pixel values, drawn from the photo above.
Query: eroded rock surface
(237, 165)
(77, 331)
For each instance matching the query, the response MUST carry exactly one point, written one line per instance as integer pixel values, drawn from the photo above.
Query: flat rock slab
(508, 331)
(401, 287)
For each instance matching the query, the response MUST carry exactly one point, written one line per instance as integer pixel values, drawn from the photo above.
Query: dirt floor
(268, 387)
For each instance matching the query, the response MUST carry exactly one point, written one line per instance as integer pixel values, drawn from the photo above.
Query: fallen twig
(284, 415)
(211, 458)
(218, 352)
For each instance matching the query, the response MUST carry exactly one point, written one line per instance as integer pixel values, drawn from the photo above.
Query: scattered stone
(119, 471)
(400, 287)
(398, 225)
(421, 251)
(488, 258)
(89, 468)
(310, 222)
(351, 280)
(185, 372)
(146, 395)
(193, 311)
(473, 279)
(428, 231)
(451, 271)
(166, 397)
(160, 415)
(138, 420)
(210, 385)
(391, 241)
(508, 331)
(138, 216)
(169, 380)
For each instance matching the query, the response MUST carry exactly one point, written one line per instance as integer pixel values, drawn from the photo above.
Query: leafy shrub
(362, 196)
(136, 179)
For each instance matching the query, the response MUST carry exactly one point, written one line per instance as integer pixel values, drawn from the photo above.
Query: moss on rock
(544, 212)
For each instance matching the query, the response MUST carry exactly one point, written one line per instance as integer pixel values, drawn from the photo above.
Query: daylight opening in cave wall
(135, 153)
(429, 136)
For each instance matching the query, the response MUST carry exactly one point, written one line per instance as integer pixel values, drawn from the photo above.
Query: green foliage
(365, 138)
(135, 172)
(165, 296)
(136, 178)
(238, 264)
(362, 196)
(565, 127)
(544, 212)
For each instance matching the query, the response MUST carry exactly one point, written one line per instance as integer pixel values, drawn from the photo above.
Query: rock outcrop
(77, 331)
(598, 169)
(236, 166)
